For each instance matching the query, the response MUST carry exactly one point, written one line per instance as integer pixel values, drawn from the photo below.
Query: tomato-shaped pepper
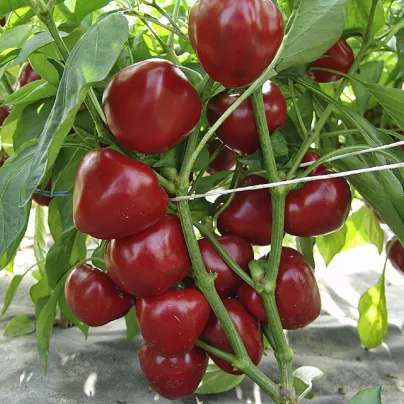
(94, 298)
(150, 262)
(4, 113)
(224, 161)
(227, 281)
(173, 378)
(235, 40)
(26, 75)
(248, 327)
(311, 157)
(396, 255)
(297, 296)
(249, 214)
(339, 57)
(239, 131)
(151, 106)
(318, 207)
(40, 199)
(115, 196)
(172, 323)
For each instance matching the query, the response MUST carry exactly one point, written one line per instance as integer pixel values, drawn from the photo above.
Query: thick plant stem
(209, 235)
(283, 352)
(327, 112)
(206, 284)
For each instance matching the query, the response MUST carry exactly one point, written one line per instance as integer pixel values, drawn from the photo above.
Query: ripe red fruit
(4, 113)
(248, 327)
(151, 106)
(249, 214)
(94, 298)
(172, 323)
(26, 75)
(42, 199)
(240, 251)
(115, 196)
(173, 378)
(239, 131)
(235, 40)
(150, 262)
(339, 57)
(318, 207)
(311, 157)
(396, 255)
(297, 296)
(224, 161)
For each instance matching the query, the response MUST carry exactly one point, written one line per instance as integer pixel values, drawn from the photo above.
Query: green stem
(266, 144)
(297, 110)
(210, 235)
(174, 18)
(216, 351)
(205, 280)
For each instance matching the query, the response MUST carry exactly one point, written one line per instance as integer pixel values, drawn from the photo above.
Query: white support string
(290, 182)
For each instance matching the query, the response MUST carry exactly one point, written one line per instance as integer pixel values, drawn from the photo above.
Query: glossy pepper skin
(297, 296)
(318, 207)
(224, 161)
(235, 40)
(151, 106)
(311, 157)
(339, 57)
(249, 214)
(239, 131)
(172, 323)
(94, 298)
(149, 263)
(227, 281)
(42, 199)
(173, 378)
(396, 256)
(26, 75)
(248, 327)
(115, 196)
(4, 113)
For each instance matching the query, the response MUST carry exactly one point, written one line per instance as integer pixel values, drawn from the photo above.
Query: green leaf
(54, 220)
(13, 217)
(14, 37)
(10, 5)
(373, 316)
(368, 396)
(36, 42)
(201, 208)
(11, 290)
(18, 326)
(400, 43)
(332, 244)
(216, 381)
(303, 380)
(65, 253)
(305, 106)
(90, 61)
(84, 7)
(369, 73)
(40, 247)
(391, 99)
(132, 326)
(315, 25)
(364, 227)
(47, 68)
(45, 319)
(305, 246)
(211, 181)
(39, 290)
(32, 92)
(358, 15)
(98, 256)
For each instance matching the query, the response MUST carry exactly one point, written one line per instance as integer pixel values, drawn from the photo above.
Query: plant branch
(174, 18)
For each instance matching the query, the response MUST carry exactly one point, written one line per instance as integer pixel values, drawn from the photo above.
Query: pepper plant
(120, 118)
